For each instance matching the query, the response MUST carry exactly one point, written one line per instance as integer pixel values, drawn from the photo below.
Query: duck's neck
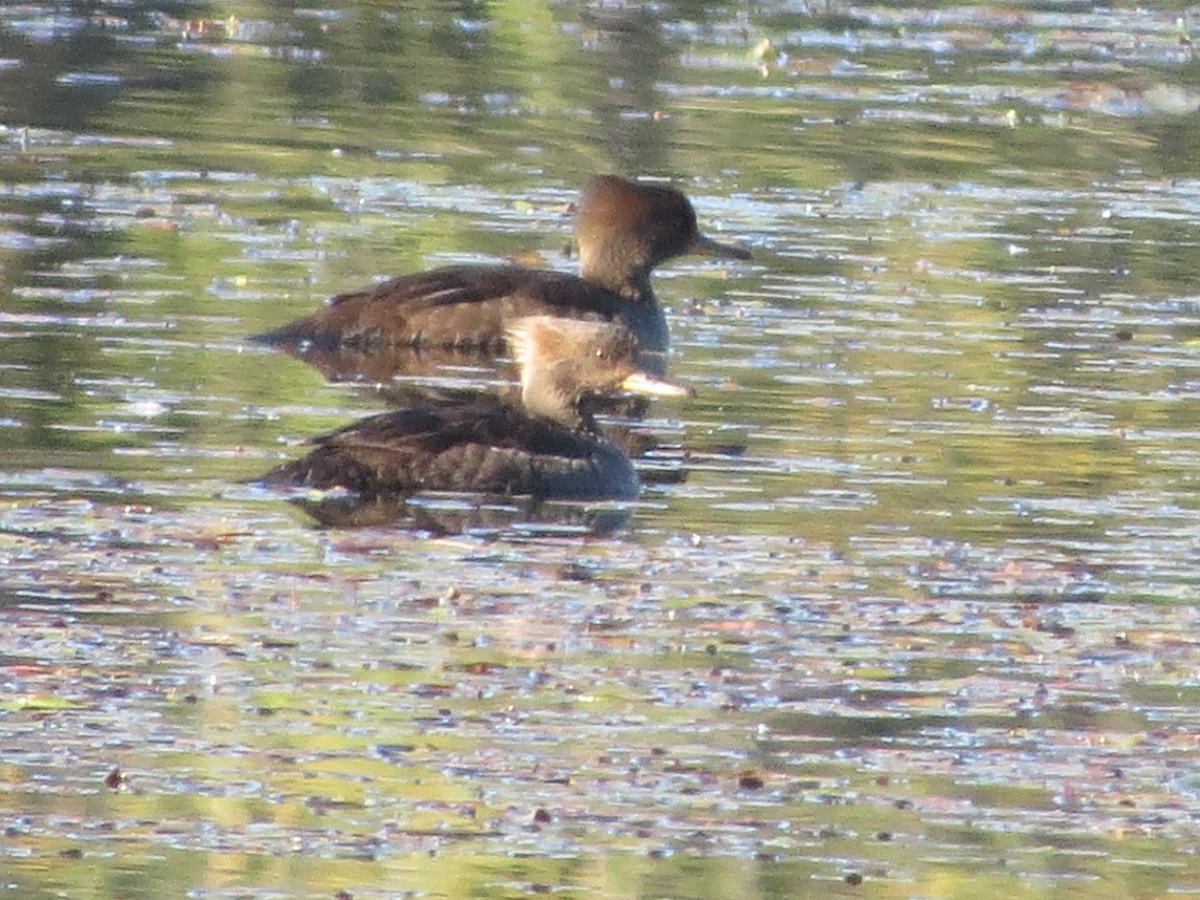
(617, 269)
(642, 315)
(545, 402)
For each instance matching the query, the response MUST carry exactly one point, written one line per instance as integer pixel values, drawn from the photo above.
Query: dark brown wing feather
(457, 306)
(477, 445)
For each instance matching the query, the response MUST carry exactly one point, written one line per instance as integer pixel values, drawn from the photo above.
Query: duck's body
(477, 446)
(624, 230)
(548, 445)
(465, 307)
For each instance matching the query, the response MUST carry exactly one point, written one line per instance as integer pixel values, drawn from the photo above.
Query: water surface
(911, 612)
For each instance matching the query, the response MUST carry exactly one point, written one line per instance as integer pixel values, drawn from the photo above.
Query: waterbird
(544, 443)
(624, 229)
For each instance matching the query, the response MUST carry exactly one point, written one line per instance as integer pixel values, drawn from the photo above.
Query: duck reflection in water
(545, 444)
(404, 325)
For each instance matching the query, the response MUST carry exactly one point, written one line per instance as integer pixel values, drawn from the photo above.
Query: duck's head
(567, 366)
(626, 228)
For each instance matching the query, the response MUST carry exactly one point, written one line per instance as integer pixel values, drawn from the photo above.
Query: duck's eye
(599, 353)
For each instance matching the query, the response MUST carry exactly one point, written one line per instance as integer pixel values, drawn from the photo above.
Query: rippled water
(907, 607)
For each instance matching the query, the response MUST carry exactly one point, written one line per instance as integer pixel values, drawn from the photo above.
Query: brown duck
(545, 444)
(624, 230)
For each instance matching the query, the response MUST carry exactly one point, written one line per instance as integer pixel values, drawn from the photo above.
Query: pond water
(908, 607)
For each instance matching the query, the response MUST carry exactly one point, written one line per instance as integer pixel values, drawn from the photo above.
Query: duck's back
(478, 446)
(465, 306)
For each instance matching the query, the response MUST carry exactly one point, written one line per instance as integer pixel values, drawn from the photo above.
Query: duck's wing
(456, 306)
(480, 445)
(397, 450)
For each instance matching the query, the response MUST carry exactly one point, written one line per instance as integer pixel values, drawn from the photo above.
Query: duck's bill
(644, 383)
(706, 246)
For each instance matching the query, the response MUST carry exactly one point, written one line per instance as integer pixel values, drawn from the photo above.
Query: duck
(544, 443)
(624, 229)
